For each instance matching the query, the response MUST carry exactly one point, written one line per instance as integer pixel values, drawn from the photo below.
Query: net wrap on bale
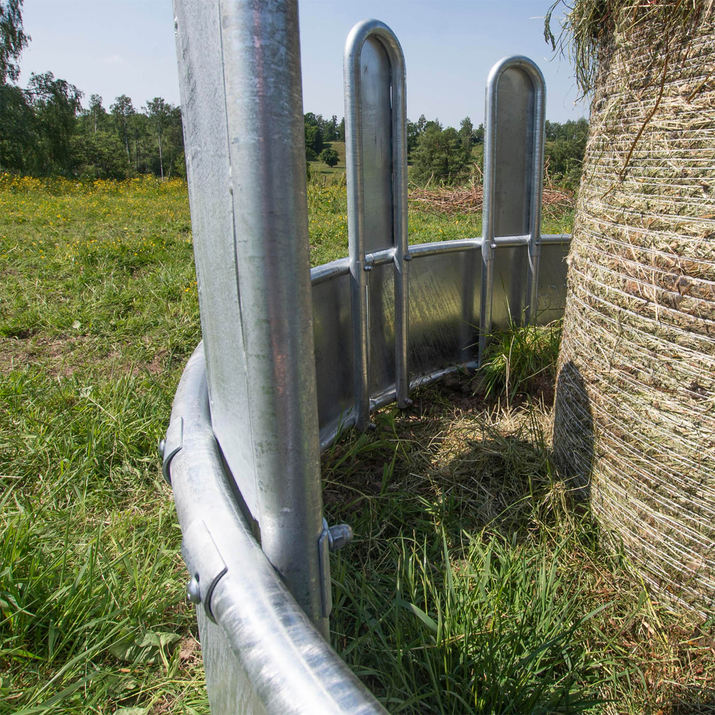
(635, 405)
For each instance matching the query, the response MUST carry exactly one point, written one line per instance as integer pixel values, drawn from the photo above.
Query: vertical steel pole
(537, 187)
(356, 231)
(357, 209)
(266, 137)
(246, 127)
(401, 239)
(490, 149)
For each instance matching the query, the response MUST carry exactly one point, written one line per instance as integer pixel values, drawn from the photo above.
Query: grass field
(320, 170)
(475, 583)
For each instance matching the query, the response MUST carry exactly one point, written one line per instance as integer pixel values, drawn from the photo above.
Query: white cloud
(114, 60)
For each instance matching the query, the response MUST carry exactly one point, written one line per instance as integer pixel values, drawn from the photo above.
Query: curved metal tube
(282, 663)
(532, 71)
(435, 309)
(261, 653)
(356, 209)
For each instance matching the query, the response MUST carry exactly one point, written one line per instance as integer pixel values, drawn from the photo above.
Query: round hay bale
(635, 405)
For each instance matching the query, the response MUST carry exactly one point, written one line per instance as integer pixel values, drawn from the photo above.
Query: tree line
(45, 130)
(447, 156)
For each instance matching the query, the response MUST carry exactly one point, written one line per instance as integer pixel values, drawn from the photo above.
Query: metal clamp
(169, 446)
(205, 563)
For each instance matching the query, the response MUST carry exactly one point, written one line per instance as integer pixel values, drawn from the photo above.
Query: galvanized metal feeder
(291, 356)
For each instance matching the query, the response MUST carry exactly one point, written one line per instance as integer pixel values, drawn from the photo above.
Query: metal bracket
(205, 563)
(169, 446)
(331, 538)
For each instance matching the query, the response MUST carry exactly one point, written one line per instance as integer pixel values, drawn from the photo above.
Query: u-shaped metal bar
(359, 268)
(530, 69)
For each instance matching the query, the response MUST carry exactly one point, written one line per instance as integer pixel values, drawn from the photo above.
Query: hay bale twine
(635, 405)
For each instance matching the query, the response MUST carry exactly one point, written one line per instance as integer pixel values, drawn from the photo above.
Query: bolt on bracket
(205, 564)
(331, 538)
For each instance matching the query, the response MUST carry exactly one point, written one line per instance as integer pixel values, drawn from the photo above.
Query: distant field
(318, 168)
(474, 584)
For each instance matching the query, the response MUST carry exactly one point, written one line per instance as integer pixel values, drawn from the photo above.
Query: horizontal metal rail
(389, 396)
(439, 341)
(341, 266)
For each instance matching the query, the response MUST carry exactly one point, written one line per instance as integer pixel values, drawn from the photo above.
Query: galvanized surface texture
(444, 308)
(198, 49)
(262, 655)
(242, 107)
(376, 173)
(255, 541)
(513, 167)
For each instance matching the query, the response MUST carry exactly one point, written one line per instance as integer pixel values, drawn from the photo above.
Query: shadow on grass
(573, 430)
(455, 596)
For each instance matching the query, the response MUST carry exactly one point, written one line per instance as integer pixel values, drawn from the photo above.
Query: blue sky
(112, 47)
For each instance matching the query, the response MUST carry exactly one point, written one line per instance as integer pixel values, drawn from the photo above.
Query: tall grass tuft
(518, 358)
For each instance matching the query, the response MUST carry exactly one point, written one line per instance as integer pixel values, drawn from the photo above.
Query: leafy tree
(55, 103)
(12, 39)
(564, 150)
(96, 113)
(314, 140)
(17, 121)
(470, 135)
(441, 155)
(18, 138)
(123, 110)
(100, 155)
(330, 130)
(142, 143)
(159, 113)
(466, 132)
(413, 137)
(329, 156)
(174, 144)
(341, 130)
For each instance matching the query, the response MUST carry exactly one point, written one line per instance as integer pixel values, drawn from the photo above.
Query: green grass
(328, 215)
(319, 170)
(520, 359)
(474, 583)
(98, 313)
(477, 582)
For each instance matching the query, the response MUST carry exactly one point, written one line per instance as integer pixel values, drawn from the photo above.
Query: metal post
(376, 104)
(537, 186)
(243, 120)
(513, 168)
